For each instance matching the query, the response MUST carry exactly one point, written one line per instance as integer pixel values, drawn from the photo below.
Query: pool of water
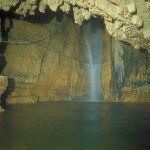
(75, 126)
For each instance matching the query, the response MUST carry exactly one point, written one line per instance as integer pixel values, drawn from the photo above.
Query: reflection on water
(75, 126)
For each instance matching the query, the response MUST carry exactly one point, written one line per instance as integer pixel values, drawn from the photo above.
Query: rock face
(136, 72)
(3, 84)
(47, 61)
(125, 72)
(52, 68)
(126, 20)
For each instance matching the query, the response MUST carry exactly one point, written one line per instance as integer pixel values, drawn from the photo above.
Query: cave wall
(106, 73)
(136, 74)
(125, 72)
(45, 61)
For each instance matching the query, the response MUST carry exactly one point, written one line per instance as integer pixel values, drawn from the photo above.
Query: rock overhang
(125, 20)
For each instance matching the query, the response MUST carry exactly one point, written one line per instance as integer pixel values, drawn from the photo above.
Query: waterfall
(92, 33)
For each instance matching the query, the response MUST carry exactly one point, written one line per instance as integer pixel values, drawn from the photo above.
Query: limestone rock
(137, 21)
(1, 109)
(60, 69)
(84, 9)
(49, 69)
(65, 7)
(3, 84)
(131, 8)
(148, 5)
(117, 2)
(125, 75)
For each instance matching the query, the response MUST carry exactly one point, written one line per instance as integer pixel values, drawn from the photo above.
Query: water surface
(75, 126)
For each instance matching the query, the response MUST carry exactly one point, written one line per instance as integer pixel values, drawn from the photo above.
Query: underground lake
(75, 126)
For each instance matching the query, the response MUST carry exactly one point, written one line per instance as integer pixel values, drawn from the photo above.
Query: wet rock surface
(52, 68)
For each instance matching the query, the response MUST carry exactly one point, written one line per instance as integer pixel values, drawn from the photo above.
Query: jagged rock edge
(123, 24)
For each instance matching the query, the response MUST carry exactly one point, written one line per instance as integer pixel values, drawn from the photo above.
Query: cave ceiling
(126, 20)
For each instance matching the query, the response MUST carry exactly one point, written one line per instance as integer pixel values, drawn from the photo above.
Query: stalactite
(122, 18)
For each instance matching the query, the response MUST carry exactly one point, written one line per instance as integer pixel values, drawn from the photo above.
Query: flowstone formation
(126, 20)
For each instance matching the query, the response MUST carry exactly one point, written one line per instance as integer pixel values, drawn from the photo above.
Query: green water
(75, 126)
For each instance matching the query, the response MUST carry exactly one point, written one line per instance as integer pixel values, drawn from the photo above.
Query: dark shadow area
(124, 43)
(46, 17)
(6, 25)
(3, 63)
(5, 28)
(96, 22)
(133, 60)
(6, 94)
(143, 50)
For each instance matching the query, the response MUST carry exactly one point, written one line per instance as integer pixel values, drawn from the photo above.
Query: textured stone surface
(125, 20)
(3, 84)
(55, 68)
(136, 83)
(51, 64)
(106, 67)
(52, 69)
(126, 72)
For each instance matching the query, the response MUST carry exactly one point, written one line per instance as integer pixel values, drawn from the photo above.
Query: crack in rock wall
(48, 70)
(126, 20)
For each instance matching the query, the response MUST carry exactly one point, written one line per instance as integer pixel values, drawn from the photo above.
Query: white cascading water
(93, 39)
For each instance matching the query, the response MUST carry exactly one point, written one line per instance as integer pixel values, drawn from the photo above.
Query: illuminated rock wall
(45, 61)
(125, 72)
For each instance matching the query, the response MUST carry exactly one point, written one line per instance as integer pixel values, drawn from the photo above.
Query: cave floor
(75, 126)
